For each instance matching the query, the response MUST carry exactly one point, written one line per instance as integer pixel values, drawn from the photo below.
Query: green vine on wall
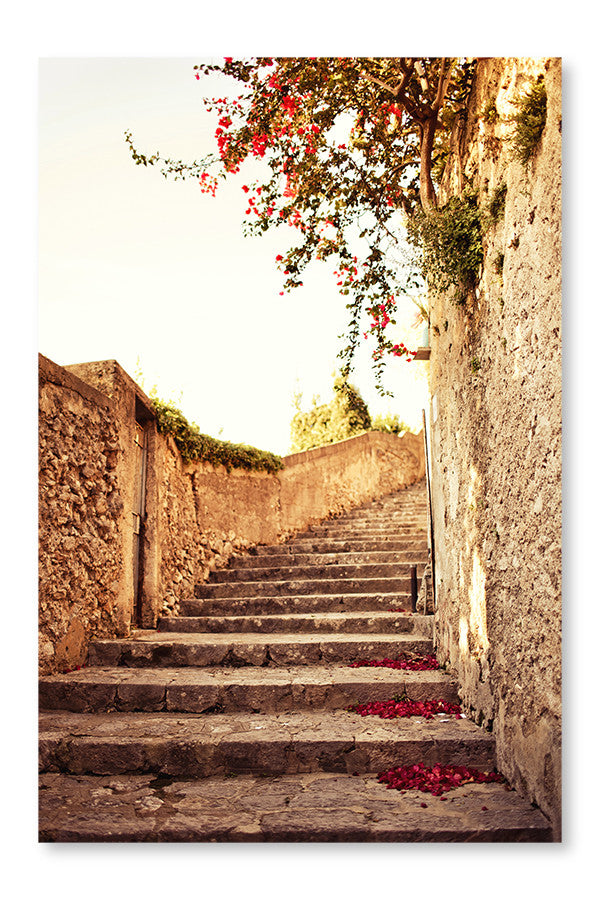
(448, 241)
(529, 121)
(196, 446)
(496, 205)
(449, 244)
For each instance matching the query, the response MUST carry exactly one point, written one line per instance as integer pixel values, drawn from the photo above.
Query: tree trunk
(427, 190)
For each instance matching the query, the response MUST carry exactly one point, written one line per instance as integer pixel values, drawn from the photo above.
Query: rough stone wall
(80, 518)
(130, 407)
(206, 514)
(496, 443)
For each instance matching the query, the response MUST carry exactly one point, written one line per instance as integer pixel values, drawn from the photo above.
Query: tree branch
(407, 70)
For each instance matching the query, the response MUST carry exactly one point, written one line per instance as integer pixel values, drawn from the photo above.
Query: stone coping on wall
(108, 375)
(367, 438)
(51, 372)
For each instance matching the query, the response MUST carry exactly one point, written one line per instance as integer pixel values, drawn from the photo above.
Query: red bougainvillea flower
(395, 709)
(436, 779)
(413, 664)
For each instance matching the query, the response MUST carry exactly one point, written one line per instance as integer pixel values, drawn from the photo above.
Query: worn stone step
(387, 511)
(190, 745)
(405, 516)
(383, 539)
(389, 506)
(313, 807)
(354, 571)
(102, 689)
(326, 622)
(357, 532)
(149, 648)
(303, 586)
(402, 517)
(396, 512)
(403, 521)
(300, 603)
(402, 557)
(319, 545)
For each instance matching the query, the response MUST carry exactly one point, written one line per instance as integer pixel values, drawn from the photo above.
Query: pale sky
(133, 266)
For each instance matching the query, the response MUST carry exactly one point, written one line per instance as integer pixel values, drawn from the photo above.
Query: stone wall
(133, 409)
(495, 375)
(207, 514)
(196, 516)
(81, 518)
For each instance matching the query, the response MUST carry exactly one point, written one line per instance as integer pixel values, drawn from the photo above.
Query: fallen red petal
(434, 780)
(403, 708)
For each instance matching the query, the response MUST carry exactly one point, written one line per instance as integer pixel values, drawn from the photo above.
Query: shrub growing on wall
(450, 246)
(529, 122)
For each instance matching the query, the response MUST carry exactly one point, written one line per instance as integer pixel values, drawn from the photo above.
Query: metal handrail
(430, 510)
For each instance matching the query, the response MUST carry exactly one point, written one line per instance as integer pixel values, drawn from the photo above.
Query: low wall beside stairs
(196, 517)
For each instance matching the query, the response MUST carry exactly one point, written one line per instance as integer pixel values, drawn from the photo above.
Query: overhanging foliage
(350, 147)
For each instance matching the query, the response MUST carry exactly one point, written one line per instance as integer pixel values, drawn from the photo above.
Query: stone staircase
(231, 722)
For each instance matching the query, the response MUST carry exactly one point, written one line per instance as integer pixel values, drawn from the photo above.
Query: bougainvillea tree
(350, 148)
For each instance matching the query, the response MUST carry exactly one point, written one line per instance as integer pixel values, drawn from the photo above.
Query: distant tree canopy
(390, 424)
(346, 415)
(351, 148)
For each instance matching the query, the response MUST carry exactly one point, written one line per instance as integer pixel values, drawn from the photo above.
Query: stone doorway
(140, 450)
(143, 516)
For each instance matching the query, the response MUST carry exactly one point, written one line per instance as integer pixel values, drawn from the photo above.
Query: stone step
(358, 532)
(406, 511)
(314, 807)
(104, 689)
(401, 557)
(320, 545)
(392, 501)
(414, 511)
(332, 535)
(149, 648)
(326, 622)
(380, 518)
(389, 508)
(300, 603)
(403, 523)
(303, 586)
(354, 571)
(405, 516)
(191, 745)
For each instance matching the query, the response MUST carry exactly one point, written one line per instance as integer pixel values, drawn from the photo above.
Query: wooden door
(139, 508)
